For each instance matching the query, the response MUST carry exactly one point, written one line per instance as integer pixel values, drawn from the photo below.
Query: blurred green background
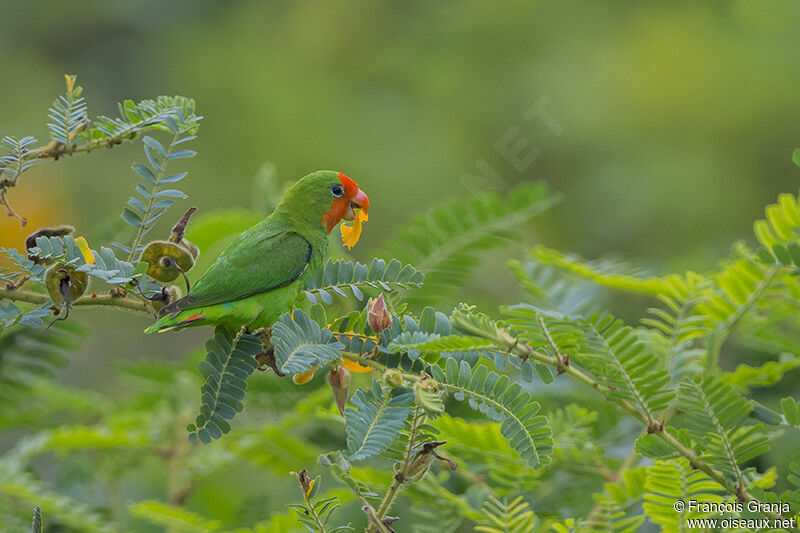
(671, 124)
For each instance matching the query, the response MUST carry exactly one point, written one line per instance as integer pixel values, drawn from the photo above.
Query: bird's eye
(337, 191)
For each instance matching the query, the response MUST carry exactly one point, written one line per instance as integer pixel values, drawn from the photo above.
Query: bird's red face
(350, 203)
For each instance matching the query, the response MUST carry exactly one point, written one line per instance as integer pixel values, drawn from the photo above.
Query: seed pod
(378, 316)
(306, 483)
(426, 395)
(339, 380)
(167, 260)
(64, 282)
(393, 378)
(191, 248)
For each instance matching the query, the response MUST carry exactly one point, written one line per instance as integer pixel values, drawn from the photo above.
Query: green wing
(251, 265)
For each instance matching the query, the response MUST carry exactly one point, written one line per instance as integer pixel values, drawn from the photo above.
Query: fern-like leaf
(151, 114)
(605, 273)
(779, 232)
(144, 210)
(737, 288)
(341, 276)
(71, 512)
(68, 115)
(515, 516)
(614, 353)
(415, 433)
(678, 327)
(443, 243)
(301, 344)
(20, 157)
(29, 354)
(671, 481)
(745, 377)
(106, 265)
(375, 420)
(494, 395)
(172, 517)
(36, 523)
(715, 415)
(228, 364)
(610, 517)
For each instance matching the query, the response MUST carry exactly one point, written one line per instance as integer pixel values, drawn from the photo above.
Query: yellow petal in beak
(351, 234)
(83, 246)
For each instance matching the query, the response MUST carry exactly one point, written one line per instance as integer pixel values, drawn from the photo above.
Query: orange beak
(354, 198)
(359, 201)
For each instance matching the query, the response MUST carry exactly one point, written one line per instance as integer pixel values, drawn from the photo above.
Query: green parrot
(258, 276)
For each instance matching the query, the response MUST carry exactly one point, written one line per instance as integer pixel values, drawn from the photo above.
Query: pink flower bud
(378, 316)
(339, 380)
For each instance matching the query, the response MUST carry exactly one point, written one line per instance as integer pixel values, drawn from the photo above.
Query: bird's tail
(168, 323)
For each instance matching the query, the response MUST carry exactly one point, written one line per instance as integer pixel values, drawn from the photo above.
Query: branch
(100, 300)
(523, 350)
(4, 201)
(400, 477)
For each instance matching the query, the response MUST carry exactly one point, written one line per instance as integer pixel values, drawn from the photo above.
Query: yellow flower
(70, 82)
(310, 487)
(355, 366)
(351, 234)
(305, 377)
(83, 246)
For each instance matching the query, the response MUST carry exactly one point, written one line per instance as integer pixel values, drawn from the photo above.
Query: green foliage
(676, 326)
(106, 266)
(778, 233)
(546, 453)
(376, 419)
(68, 115)
(18, 158)
(160, 114)
(30, 354)
(444, 243)
(69, 511)
(36, 524)
(791, 411)
(513, 516)
(745, 376)
(672, 481)
(142, 212)
(301, 344)
(610, 516)
(336, 276)
(614, 353)
(526, 430)
(228, 364)
(171, 517)
(606, 273)
(715, 415)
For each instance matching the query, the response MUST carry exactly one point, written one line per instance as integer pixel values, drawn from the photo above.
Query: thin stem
(401, 475)
(366, 361)
(315, 516)
(719, 335)
(99, 300)
(630, 461)
(146, 215)
(657, 429)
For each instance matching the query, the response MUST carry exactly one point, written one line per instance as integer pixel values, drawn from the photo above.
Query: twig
(100, 300)
(654, 427)
(22, 220)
